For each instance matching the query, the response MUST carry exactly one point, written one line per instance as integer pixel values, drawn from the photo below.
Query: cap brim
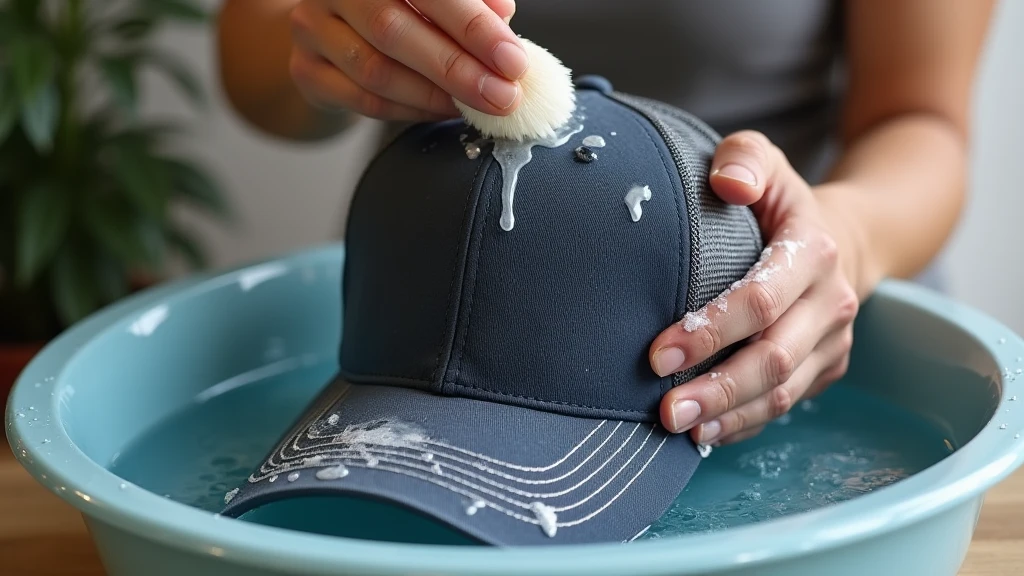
(504, 475)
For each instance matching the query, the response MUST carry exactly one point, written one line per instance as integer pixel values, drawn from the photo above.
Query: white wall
(290, 196)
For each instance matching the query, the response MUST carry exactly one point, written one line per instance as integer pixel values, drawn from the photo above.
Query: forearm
(895, 197)
(254, 45)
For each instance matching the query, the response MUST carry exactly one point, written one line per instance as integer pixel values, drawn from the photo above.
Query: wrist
(861, 263)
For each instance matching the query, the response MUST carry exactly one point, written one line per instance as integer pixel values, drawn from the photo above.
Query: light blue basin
(110, 378)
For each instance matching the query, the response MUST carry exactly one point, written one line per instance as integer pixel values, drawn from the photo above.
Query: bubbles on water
(768, 462)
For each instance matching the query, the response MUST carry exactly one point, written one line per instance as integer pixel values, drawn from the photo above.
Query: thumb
(743, 168)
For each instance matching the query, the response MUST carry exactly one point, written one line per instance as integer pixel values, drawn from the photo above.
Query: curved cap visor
(504, 475)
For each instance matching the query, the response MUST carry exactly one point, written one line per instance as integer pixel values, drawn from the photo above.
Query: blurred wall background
(290, 196)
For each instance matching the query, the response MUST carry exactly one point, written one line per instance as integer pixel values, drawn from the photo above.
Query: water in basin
(837, 447)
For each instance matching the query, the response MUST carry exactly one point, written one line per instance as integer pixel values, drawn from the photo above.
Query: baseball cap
(499, 302)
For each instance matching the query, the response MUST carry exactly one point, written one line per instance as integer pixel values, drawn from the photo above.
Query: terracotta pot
(13, 359)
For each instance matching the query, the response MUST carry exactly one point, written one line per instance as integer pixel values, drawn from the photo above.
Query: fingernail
(668, 361)
(738, 172)
(499, 92)
(684, 414)
(510, 59)
(710, 431)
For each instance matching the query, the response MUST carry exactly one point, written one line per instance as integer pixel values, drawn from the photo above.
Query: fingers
(786, 269)
(480, 30)
(325, 86)
(395, 29)
(762, 370)
(828, 364)
(367, 67)
(749, 170)
(505, 9)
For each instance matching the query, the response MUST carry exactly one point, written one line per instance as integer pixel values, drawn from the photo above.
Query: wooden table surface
(40, 535)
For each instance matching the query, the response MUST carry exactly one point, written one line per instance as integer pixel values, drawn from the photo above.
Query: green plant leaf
(178, 72)
(133, 28)
(196, 185)
(113, 226)
(32, 62)
(75, 288)
(8, 107)
(179, 240)
(178, 9)
(120, 74)
(142, 179)
(39, 118)
(43, 219)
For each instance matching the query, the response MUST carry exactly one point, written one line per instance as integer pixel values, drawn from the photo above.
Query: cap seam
(541, 401)
(437, 375)
(476, 248)
(679, 217)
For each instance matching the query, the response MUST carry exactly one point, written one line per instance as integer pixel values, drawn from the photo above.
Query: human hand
(795, 307)
(398, 60)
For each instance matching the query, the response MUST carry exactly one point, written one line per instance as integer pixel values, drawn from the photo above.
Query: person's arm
(902, 179)
(254, 49)
(886, 210)
(304, 69)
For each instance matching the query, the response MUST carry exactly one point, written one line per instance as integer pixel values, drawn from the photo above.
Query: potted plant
(86, 186)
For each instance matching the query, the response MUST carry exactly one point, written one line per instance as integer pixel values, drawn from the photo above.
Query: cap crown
(559, 311)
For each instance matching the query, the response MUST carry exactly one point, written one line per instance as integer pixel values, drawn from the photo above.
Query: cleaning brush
(548, 101)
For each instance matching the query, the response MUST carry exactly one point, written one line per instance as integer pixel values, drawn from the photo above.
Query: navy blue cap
(494, 369)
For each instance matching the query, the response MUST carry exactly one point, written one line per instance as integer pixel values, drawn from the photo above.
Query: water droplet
(38, 384)
(473, 506)
(472, 150)
(704, 450)
(428, 456)
(21, 414)
(584, 154)
(123, 486)
(293, 476)
(1002, 426)
(436, 468)
(594, 141)
(1016, 436)
(614, 134)
(273, 478)
(32, 408)
(1013, 398)
(46, 440)
(333, 419)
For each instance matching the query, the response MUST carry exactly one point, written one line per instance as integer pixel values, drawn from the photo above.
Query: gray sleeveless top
(776, 66)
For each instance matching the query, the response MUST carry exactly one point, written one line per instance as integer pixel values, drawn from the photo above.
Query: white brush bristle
(547, 103)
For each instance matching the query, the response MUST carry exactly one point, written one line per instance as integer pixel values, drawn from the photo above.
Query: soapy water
(826, 451)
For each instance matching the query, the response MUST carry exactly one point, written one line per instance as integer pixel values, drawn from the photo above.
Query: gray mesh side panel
(725, 240)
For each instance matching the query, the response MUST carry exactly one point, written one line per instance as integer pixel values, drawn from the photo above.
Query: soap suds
(333, 419)
(634, 197)
(760, 272)
(546, 517)
(332, 472)
(594, 141)
(230, 496)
